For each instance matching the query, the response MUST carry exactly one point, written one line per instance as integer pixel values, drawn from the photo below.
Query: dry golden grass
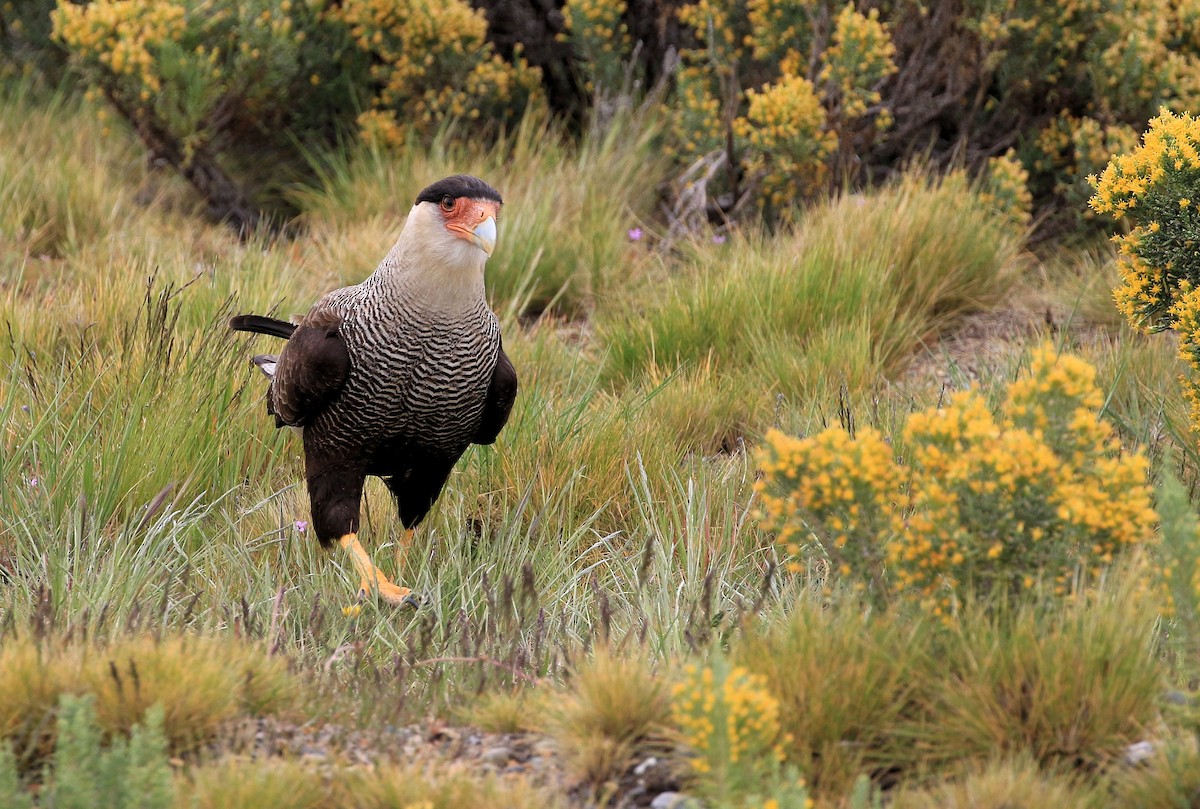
(614, 707)
(1006, 784)
(845, 683)
(200, 682)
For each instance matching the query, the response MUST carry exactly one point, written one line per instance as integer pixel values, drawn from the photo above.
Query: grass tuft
(845, 683)
(614, 707)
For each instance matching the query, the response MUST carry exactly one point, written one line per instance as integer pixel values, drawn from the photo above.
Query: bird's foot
(389, 592)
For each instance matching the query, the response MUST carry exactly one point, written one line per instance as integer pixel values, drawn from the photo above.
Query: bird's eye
(447, 203)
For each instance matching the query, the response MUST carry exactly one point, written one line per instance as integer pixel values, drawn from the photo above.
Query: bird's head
(457, 218)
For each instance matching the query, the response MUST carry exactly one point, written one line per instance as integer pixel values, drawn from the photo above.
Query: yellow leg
(402, 548)
(372, 577)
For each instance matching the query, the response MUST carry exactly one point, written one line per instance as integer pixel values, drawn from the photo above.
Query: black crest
(459, 185)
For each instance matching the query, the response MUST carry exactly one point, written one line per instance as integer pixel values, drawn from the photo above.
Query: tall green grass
(845, 296)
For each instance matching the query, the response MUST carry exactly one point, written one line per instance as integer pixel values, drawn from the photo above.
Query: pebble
(672, 800)
(496, 755)
(1138, 753)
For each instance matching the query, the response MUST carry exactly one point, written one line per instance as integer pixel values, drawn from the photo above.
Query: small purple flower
(719, 239)
(301, 526)
(33, 481)
(635, 234)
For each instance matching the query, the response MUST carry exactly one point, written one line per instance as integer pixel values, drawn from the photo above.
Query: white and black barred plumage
(396, 376)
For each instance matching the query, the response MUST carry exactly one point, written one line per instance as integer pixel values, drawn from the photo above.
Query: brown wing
(502, 392)
(312, 368)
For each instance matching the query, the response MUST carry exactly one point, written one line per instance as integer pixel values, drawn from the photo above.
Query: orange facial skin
(463, 215)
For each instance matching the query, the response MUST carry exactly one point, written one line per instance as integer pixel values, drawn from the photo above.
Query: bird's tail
(260, 324)
(266, 363)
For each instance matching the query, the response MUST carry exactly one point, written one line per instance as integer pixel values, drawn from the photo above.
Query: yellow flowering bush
(224, 91)
(990, 503)
(1156, 186)
(788, 123)
(1005, 188)
(432, 61)
(237, 94)
(860, 56)
(788, 145)
(728, 723)
(600, 38)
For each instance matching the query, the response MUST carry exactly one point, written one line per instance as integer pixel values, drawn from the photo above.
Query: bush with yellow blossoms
(230, 93)
(728, 725)
(1036, 497)
(763, 79)
(600, 39)
(431, 62)
(1156, 187)
(238, 95)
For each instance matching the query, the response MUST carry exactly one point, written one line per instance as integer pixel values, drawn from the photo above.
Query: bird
(397, 375)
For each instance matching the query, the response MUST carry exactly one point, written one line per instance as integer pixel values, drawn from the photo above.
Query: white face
(455, 234)
(472, 220)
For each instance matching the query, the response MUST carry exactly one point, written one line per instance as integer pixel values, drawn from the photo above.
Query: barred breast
(417, 373)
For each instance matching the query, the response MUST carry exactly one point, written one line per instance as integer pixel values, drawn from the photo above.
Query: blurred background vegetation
(836, 474)
(766, 104)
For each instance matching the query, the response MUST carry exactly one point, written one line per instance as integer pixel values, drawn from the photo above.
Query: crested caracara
(397, 375)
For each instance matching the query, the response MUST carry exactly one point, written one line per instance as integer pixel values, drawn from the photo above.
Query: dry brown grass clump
(200, 682)
(614, 707)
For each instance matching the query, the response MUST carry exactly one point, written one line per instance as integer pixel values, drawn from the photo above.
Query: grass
(152, 519)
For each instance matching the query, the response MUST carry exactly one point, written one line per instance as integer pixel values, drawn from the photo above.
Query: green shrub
(128, 773)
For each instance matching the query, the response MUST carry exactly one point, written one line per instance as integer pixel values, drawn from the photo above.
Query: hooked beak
(484, 235)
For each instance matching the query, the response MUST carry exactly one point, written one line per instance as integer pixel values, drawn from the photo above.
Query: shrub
(991, 505)
(728, 724)
(127, 774)
(1157, 186)
(431, 62)
(600, 39)
(239, 97)
(230, 94)
(807, 91)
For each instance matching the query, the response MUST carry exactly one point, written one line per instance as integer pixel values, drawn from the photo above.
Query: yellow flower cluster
(726, 717)
(860, 56)
(696, 126)
(598, 35)
(1155, 185)
(1169, 146)
(845, 489)
(1006, 189)
(434, 62)
(121, 34)
(715, 25)
(785, 128)
(993, 502)
(781, 32)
